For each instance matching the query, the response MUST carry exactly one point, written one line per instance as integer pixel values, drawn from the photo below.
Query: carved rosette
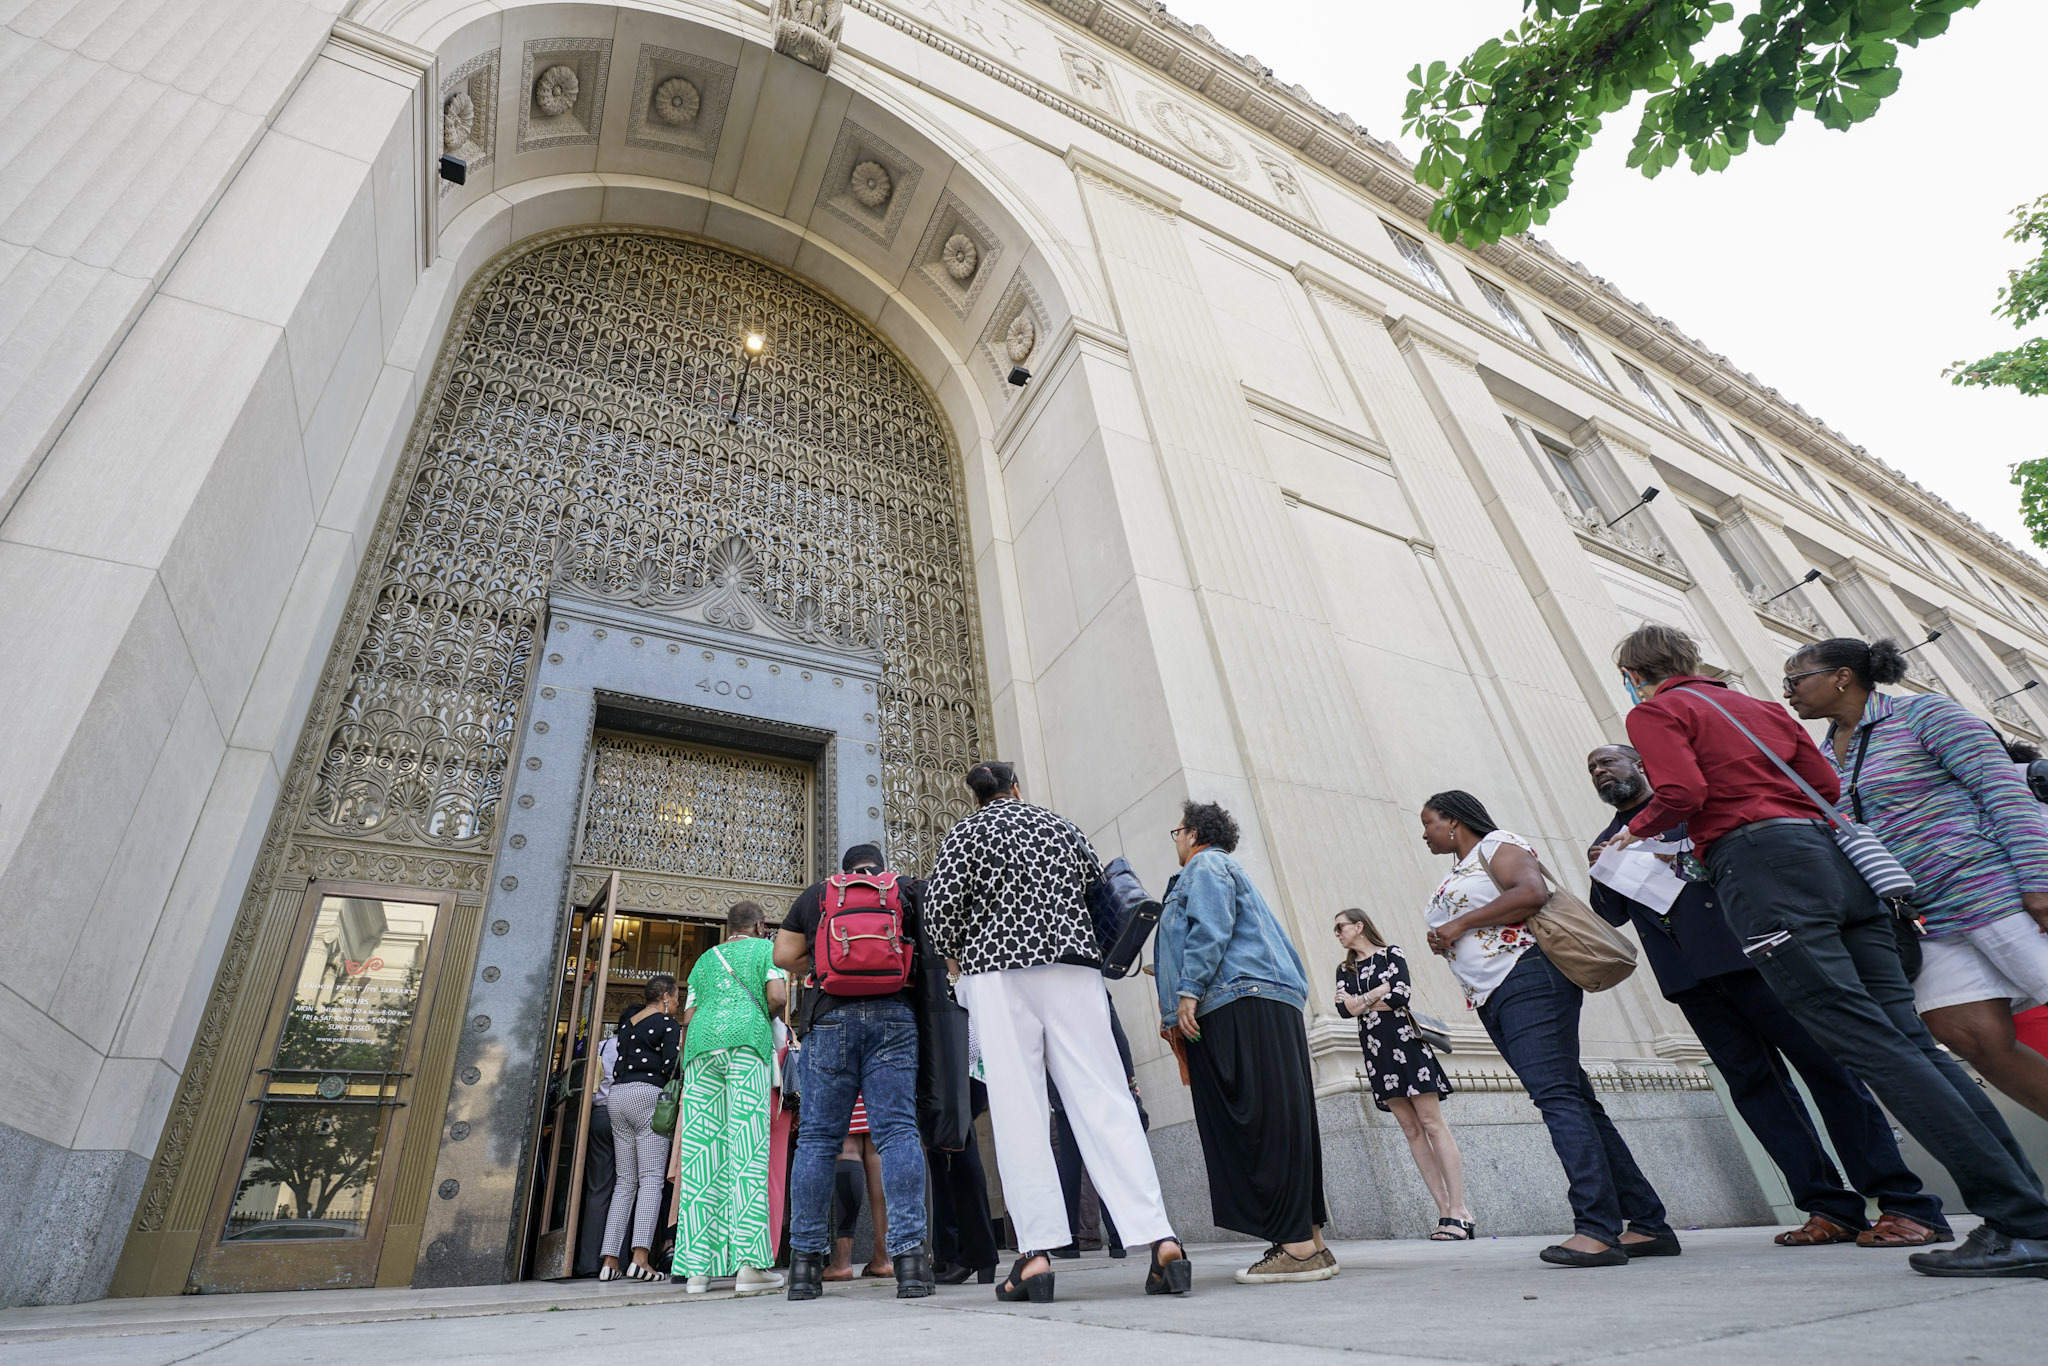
(808, 30)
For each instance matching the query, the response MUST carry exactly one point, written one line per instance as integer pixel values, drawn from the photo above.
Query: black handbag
(1124, 915)
(945, 1112)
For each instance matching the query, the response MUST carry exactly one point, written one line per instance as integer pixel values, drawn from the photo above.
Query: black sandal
(1465, 1231)
(1176, 1277)
(1018, 1287)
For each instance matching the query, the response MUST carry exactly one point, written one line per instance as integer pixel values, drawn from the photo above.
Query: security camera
(454, 170)
(1019, 376)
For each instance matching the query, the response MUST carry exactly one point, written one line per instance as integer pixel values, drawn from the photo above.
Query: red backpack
(860, 949)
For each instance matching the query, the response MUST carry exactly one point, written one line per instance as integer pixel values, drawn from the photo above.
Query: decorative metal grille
(668, 808)
(582, 423)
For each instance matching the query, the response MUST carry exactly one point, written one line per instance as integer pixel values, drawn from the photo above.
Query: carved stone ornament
(962, 257)
(1021, 338)
(458, 121)
(728, 595)
(676, 102)
(808, 30)
(870, 184)
(554, 94)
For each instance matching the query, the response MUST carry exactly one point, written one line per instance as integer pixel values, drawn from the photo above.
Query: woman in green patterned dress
(722, 1136)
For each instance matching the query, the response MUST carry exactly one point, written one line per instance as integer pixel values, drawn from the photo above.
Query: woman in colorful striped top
(1934, 781)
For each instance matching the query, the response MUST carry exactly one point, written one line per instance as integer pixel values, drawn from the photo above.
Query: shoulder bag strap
(745, 990)
(1856, 772)
(1480, 849)
(1835, 817)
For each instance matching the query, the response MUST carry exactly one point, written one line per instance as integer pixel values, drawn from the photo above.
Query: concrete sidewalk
(1733, 1297)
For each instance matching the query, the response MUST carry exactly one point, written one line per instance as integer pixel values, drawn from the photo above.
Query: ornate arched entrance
(592, 419)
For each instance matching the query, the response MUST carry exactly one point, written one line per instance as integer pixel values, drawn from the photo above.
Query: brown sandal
(1896, 1230)
(1818, 1231)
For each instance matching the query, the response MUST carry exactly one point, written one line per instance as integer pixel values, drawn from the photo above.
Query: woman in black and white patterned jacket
(1007, 907)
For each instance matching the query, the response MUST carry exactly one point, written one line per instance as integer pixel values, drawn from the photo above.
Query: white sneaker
(697, 1285)
(753, 1280)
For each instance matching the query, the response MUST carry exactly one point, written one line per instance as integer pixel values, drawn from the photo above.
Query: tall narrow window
(1933, 557)
(1649, 392)
(1420, 265)
(1554, 462)
(1812, 486)
(1855, 510)
(2012, 603)
(1504, 308)
(1706, 424)
(1756, 448)
(1727, 553)
(1982, 582)
(1899, 537)
(1582, 353)
(2035, 614)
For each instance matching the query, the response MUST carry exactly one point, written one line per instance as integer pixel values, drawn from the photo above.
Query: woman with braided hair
(1478, 920)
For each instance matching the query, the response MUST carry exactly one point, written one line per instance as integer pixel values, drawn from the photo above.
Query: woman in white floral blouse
(1478, 920)
(1402, 1071)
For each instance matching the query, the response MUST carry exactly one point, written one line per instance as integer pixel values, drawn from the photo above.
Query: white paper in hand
(1639, 875)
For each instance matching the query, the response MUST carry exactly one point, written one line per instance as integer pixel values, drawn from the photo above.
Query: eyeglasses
(1790, 679)
(1178, 830)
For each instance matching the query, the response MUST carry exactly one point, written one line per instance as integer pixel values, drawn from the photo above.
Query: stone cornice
(1610, 433)
(1085, 163)
(1406, 329)
(1315, 280)
(1245, 88)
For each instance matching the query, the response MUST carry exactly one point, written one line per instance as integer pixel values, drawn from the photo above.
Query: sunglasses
(1790, 680)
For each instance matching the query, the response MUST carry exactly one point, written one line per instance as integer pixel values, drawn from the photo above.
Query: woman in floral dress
(1402, 1071)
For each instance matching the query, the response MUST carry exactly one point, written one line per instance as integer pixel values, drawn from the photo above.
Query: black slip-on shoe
(1663, 1245)
(1557, 1254)
(1986, 1252)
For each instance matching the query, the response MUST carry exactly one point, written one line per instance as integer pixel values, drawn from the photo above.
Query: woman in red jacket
(1816, 931)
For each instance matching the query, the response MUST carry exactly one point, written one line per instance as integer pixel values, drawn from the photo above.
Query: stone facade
(1300, 510)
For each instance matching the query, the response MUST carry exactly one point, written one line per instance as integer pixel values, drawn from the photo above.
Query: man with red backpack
(856, 936)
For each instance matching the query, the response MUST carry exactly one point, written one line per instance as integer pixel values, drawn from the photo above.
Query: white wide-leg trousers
(1055, 1018)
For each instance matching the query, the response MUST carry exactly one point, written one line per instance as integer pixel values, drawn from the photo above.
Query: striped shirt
(1938, 788)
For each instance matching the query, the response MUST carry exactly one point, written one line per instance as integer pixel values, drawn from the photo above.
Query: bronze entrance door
(306, 1195)
(672, 835)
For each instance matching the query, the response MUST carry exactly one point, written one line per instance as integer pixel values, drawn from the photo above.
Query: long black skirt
(1255, 1108)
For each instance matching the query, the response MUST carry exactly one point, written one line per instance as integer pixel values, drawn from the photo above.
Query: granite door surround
(714, 663)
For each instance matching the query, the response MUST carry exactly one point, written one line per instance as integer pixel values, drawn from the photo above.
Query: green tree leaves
(2024, 368)
(1503, 129)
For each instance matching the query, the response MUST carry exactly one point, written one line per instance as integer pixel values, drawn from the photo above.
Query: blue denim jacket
(1219, 940)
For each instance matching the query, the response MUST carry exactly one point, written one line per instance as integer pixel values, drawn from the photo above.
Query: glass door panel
(306, 1203)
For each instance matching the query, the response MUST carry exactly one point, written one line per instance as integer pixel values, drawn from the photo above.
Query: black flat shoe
(806, 1275)
(1067, 1253)
(1019, 1288)
(1663, 1245)
(1176, 1277)
(1986, 1252)
(1118, 1253)
(913, 1274)
(1559, 1255)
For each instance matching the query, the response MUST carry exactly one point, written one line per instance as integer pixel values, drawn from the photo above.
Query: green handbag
(667, 1108)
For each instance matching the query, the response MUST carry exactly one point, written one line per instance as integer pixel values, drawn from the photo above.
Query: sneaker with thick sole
(1986, 1252)
(1279, 1265)
(754, 1280)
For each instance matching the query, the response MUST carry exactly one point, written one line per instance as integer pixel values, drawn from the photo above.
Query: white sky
(1845, 269)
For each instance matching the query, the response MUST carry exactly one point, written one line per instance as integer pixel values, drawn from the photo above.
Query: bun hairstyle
(1877, 662)
(990, 780)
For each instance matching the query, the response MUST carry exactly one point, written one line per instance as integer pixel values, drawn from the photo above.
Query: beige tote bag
(1592, 954)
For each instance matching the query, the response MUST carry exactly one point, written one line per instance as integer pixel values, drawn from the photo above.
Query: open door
(575, 1088)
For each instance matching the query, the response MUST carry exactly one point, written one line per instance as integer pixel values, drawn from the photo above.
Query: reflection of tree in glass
(320, 1152)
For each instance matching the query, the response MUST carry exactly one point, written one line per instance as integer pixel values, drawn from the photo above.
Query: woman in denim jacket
(1231, 994)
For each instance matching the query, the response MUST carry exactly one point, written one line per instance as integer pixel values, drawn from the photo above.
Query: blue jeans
(866, 1049)
(1533, 1019)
